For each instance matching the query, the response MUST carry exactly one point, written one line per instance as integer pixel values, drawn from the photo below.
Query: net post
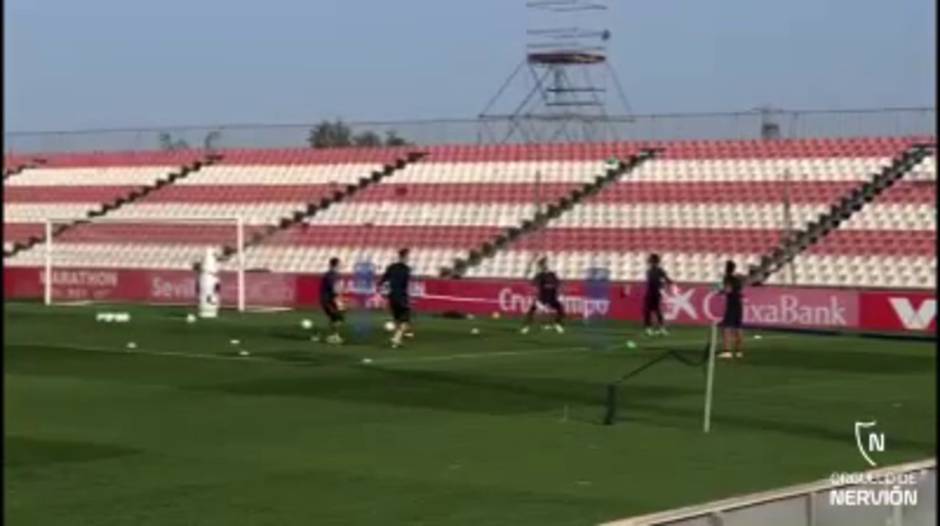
(47, 264)
(240, 244)
(709, 380)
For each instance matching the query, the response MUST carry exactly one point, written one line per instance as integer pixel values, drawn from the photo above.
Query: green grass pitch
(453, 429)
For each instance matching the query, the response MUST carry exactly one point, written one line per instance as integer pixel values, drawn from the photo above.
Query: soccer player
(547, 284)
(329, 301)
(731, 322)
(656, 278)
(398, 276)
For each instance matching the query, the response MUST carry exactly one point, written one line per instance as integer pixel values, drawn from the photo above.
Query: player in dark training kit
(398, 277)
(330, 302)
(732, 285)
(656, 279)
(547, 285)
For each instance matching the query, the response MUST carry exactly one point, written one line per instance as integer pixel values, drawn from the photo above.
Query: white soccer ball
(234, 342)
(306, 324)
(367, 360)
(757, 336)
(631, 344)
(131, 345)
(389, 326)
(496, 315)
(243, 353)
(474, 331)
(190, 318)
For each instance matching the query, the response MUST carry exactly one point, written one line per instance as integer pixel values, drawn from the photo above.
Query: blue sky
(113, 63)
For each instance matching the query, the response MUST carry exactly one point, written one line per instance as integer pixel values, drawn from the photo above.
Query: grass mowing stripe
(379, 361)
(171, 354)
(471, 356)
(254, 358)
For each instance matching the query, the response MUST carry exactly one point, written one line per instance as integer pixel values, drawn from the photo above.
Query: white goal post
(139, 243)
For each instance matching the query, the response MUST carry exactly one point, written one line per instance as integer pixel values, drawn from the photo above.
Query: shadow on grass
(314, 357)
(292, 336)
(27, 451)
(688, 418)
(445, 390)
(841, 360)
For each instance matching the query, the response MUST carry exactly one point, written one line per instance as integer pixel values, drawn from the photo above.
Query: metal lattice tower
(559, 91)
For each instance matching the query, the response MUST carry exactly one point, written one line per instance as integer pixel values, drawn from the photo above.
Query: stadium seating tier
(697, 204)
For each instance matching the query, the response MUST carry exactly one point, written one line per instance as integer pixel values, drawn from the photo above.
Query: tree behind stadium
(338, 134)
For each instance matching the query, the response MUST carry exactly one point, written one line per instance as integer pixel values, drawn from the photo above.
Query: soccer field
(454, 428)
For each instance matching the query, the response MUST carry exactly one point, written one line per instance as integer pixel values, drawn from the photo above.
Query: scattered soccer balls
(113, 317)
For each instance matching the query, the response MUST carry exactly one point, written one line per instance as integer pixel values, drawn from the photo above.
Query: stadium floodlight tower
(559, 90)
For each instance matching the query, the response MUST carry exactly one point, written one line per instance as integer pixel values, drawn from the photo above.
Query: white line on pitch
(379, 361)
(256, 358)
(473, 356)
(172, 354)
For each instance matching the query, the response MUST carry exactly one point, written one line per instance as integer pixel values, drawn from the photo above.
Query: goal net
(151, 260)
